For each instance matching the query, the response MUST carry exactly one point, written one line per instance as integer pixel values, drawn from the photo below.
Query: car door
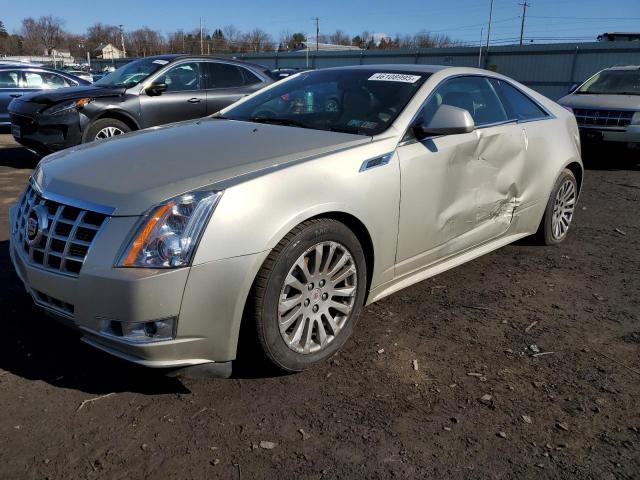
(10, 88)
(458, 191)
(184, 98)
(227, 83)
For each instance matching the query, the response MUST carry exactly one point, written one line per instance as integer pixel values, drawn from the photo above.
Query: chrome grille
(602, 118)
(65, 243)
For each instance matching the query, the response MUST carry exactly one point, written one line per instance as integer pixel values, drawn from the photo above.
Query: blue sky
(461, 19)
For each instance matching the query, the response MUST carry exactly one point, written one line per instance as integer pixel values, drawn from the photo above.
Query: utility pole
(480, 49)
(124, 51)
(201, 44)
(486, 59)
(317, 19)
(524, 14)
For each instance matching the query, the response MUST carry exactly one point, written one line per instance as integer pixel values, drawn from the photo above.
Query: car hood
(601, 102)
(49, 97)
(134, 172)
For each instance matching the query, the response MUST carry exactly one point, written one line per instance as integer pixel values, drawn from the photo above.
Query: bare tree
(42, 35)
(339, 38)
(233, 38)
(144, 41)
(100, 34)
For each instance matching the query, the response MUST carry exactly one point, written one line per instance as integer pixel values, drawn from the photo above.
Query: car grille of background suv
(602, 118)
(64, 246)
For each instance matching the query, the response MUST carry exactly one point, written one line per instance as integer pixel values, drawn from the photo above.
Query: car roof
(32, 67)
(398, 67)
(624, 67)
(182, 56)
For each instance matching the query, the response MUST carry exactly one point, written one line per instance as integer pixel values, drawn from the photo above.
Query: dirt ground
(527, 367)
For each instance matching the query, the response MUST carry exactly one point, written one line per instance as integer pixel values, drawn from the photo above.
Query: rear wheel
(560, 209)
(309, 293)
(105, 128)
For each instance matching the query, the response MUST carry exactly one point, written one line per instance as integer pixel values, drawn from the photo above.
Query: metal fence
(547, 68)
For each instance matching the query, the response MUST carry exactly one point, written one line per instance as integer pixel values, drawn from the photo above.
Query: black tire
(544, 235)
(270, 280)
(95, 127)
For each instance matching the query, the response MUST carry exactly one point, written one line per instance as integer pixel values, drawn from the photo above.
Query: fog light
(141, 332)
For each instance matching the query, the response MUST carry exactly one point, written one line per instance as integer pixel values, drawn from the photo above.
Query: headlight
(635, 120)
(168, 235)
(68, 106)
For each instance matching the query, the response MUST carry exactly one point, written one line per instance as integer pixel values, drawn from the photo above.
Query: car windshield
(132, 73)
(359, 101)
(616, 82)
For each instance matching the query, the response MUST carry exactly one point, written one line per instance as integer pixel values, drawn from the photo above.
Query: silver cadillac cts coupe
(290, 210)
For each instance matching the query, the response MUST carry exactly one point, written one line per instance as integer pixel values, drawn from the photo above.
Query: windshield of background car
(359, 101)
(132, 73)
(616, 82)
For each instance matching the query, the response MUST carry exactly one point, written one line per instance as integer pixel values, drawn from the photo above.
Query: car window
(181, 78)
(620, 82)
(518, 105)
(250, 78)
(45, 80)
(223, 75)
(474, 94)
(9, 79)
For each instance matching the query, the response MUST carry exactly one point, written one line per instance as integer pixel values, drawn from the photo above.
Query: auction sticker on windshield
(395, 77)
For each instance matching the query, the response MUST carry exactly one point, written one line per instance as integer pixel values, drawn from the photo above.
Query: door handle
(15, 95)
(194, 100)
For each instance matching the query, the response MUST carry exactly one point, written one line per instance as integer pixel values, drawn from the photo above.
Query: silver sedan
(290, 210)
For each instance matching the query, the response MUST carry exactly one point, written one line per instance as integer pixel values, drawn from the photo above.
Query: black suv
(144, 93)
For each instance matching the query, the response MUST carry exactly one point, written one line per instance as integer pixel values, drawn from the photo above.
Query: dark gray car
(143, 93)
(17, 80)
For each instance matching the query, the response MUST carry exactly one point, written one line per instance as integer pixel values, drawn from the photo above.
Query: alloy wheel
(108, 132)
(317, 297)
(563, 208)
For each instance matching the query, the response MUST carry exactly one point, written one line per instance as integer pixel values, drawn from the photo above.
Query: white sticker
(161, 62)
(395, 77)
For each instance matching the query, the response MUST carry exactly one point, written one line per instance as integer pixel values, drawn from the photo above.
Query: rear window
(518, 105)
(249, 77)
(223, 75)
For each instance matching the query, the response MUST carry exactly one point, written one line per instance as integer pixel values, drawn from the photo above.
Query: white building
(109, 52)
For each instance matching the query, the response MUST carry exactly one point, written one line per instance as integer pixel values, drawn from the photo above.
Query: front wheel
(105, 128)
(309, 293)
(560, 209)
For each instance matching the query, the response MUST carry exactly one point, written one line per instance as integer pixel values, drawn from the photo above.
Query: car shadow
(34, 346)
(16, 156)
(610, 157)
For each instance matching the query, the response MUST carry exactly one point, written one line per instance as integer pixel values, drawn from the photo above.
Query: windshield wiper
(287, 122)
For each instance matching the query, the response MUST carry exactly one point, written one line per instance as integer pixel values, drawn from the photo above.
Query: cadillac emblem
(36, 224)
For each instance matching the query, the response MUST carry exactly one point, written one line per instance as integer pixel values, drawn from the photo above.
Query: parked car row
(169, 88)
(144, 93)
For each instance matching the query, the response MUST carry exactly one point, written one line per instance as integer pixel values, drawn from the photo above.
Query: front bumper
(207, 300)
(46, 134)
(631, 134)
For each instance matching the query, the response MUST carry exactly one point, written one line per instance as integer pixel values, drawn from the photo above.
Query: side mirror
(156, 89)
(573, 88)
(447, 120)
